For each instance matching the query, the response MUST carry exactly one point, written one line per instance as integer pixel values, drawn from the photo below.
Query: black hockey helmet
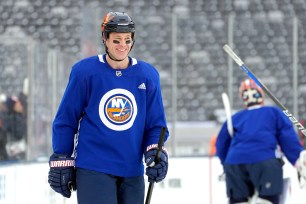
(118, 22)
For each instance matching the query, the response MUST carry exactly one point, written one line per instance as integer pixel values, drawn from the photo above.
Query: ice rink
(189, 180)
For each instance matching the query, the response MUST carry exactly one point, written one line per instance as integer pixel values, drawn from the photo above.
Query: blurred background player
(14, 125)
(251, 158)
(212, 145)
(3, 135)
(113, 105)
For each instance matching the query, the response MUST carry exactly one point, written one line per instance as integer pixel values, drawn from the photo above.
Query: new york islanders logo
(118, 109)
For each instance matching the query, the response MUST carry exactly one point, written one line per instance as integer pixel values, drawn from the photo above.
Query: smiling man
(110, 116)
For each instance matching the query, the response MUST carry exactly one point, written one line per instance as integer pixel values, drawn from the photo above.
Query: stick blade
(228, 113)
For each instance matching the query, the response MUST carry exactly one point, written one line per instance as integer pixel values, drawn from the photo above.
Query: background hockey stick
(157, 158)
(233, 55)
(228, 113)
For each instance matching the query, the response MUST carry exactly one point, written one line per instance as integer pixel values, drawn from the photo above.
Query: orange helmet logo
(108, 17)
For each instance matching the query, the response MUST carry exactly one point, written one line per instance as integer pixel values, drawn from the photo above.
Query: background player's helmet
(118, 22)
(251, 93)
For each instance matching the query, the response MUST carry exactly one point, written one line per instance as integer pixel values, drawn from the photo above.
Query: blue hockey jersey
(257, 132)
(113, 114)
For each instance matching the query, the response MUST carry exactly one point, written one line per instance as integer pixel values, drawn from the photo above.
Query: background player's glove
(156, 172)
(62, 174)
(301, 167)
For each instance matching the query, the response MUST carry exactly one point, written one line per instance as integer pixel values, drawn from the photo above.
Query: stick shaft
(157, 158)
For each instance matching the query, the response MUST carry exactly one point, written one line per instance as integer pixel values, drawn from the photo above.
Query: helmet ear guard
(251, 93)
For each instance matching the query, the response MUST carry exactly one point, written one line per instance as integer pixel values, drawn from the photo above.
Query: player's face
(119, 45)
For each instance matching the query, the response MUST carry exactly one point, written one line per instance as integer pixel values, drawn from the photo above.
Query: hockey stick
(228, 113)
(157, 158)
(233, 55)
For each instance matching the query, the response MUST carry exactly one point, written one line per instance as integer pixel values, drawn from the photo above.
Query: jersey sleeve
(287, 137)
(223, 143)
(155, 118)
(66, 122)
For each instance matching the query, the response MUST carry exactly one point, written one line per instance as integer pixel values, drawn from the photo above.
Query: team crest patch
(118, 109)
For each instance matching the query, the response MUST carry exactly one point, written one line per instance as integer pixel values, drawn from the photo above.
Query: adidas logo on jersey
(142, 86)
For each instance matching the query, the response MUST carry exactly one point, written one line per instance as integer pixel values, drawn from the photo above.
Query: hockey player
(112, 107)
(250, 158)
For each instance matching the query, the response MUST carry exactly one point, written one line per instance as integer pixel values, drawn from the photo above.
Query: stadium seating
(262, 36)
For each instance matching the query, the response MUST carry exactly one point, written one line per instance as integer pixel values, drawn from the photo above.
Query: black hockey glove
(156, 171)
(62, 174)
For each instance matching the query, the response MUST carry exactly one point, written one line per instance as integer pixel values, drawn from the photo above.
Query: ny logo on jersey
(118, 109)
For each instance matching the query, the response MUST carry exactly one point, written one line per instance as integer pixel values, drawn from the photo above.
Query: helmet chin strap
(112, 58)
